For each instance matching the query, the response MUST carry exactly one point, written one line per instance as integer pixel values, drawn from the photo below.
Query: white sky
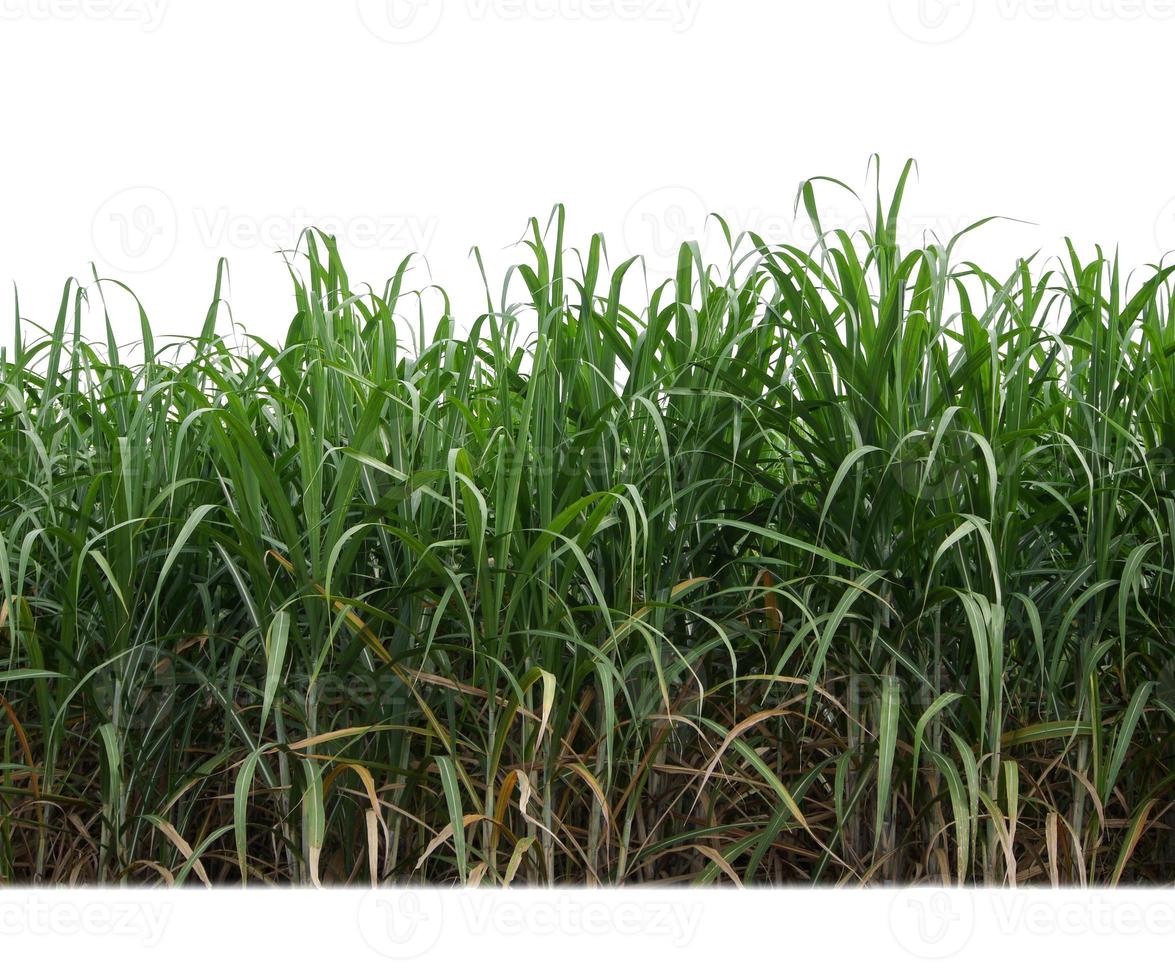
(153, 136)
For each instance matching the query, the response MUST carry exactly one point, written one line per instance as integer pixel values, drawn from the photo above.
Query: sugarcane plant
(848, 563)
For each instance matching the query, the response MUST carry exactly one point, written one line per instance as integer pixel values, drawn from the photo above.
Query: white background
(154, 136)
(572, 934)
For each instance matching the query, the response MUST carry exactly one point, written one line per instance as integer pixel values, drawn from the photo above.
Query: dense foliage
(829, 565)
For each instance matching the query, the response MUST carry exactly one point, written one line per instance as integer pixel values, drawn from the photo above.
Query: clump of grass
(850, 565)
